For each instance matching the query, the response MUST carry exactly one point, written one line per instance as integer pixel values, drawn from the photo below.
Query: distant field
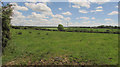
(76, 29)
(89, 29)
(54, 47)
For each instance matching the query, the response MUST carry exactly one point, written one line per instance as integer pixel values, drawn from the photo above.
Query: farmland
(29, 46)
(88, 29)
(58, 33)
(75, 29)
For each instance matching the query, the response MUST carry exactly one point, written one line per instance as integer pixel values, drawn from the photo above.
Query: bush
(30, 32)
(36, 29)
(25, 28)
(38, 33)
(46, 33)
(16, 27)
(20, 33)
(60, 27)
(107, 31)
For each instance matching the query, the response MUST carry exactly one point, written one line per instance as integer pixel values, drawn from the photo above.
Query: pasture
(54, 47)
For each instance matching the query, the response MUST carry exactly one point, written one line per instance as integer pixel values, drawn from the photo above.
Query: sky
(74, 13)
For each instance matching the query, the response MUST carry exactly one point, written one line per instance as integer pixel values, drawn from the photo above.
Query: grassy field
(54, 47)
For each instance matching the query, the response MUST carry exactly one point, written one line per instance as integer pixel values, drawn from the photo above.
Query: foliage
(73, 29)
(60, 27)
(110, 27)
(6, 13)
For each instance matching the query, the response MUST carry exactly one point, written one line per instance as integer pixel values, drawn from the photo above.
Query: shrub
(38, 33)
(36, 29)
(60, 27)
(107, 31)
(20, 33)
(30, 32)
(46, 33)
(17, 27)
(25, 28)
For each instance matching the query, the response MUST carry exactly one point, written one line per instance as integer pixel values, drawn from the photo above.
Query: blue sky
(54, 13)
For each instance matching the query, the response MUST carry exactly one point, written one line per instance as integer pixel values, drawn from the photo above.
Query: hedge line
(6, 13)
(107, 31)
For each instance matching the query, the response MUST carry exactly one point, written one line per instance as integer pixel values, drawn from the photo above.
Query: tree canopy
(60, 27)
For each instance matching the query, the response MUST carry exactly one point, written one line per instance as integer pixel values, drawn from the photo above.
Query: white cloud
(58, 16)
(93, 18)
(55, 21)
(38, 19)
(116, 6)
(77, 18)
(67, 13)
(16, 7)
(40, 7)
(75, 6)
(18, 15)
(108, 19)
(21, 8)
(87, 3)
(14, 4)
(86, 22)
(113, 13)
(81, 3)
(99, 1)
(60, 8)
(17, 18)
(93, 11)
(85, 18)
(83, 11)
(42, 18)
(100, 7)
(67, 19)
(36, 16)
(38, 0)
(99, 10)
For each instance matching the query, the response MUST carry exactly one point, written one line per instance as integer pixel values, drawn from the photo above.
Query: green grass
(93, 47)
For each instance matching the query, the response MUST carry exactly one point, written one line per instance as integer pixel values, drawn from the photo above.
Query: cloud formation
(100, 7)
(39, 7)
(107, 19)
(60, 8)
(80, 3)
(85, 18)
(83, 11)
(67, 13)
(75, 6)
(93, 18)
(42, 14)
(113, 13)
